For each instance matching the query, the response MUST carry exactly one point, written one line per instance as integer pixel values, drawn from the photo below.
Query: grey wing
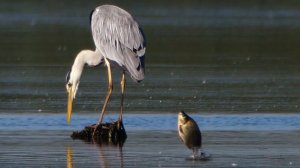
(118, 37)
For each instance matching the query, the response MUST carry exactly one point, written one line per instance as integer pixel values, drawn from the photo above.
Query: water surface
(150, 149)
(233, 66)
(154, 122)
(167, 88)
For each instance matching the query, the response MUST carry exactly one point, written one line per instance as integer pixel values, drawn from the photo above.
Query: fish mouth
(182, 114)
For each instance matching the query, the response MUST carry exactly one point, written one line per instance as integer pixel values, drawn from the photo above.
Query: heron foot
(104, 133)
(94, 127)
(120, 124)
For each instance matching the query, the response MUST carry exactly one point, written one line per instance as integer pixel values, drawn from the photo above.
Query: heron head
(71, 86)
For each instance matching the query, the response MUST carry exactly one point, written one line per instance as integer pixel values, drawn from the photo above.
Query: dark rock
(106, 133)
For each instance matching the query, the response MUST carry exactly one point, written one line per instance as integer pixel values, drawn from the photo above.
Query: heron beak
(70, 102)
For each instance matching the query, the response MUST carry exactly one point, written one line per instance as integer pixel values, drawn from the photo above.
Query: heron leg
(123, 82)
(109, 92)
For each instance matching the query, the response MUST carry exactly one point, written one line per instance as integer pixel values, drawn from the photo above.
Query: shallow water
(236, 140)
(211, 57)
(150, 149)
(154, 122)
(233, 66)
(167, 89)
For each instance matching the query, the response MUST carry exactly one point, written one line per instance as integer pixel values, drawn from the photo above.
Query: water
(167, 88)
(154, 122)
(149, 149)
(233, 66)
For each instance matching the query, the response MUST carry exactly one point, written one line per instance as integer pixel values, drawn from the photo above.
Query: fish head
(182, 118)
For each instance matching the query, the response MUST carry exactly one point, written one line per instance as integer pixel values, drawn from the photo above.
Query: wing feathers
(118, 37)
(110, 23)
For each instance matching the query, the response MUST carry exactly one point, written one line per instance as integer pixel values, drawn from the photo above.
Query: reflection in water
(108, 154)
(69, 157)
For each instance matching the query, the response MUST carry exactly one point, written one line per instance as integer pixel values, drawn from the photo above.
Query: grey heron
(120, 41)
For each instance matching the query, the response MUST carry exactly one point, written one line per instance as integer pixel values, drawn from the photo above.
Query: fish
(189, 132)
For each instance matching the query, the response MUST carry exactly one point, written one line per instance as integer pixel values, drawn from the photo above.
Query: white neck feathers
(89, 57)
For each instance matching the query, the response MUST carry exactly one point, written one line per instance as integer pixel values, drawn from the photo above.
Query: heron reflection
(69, 157)
(108, 156)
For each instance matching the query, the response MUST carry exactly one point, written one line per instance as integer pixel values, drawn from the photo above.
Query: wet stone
(106, 133)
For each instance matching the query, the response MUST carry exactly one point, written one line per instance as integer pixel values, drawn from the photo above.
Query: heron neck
(89, 57)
